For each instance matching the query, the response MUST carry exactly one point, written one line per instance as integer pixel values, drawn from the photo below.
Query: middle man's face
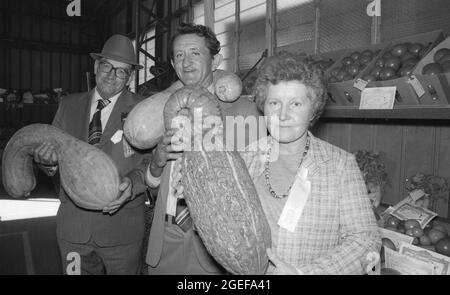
(192, 61)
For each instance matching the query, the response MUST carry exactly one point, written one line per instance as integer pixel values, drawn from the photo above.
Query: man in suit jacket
(171, 249)
(110, 241)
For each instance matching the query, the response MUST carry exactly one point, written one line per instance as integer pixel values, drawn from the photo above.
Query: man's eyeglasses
(106, 67)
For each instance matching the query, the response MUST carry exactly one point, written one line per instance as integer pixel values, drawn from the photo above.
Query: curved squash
(185, 100)
(87, 174)
(221, 196)
(144, 124)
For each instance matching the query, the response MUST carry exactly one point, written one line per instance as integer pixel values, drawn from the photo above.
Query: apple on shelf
(399, 61)
(351, 65)
(440, 64)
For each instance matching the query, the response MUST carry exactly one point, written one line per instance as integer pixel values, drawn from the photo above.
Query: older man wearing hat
(108, 241)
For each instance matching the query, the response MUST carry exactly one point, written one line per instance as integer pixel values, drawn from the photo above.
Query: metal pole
(271, 25)
(138, 45)
(316, 27)
(88, 81)
(237, 34)
(375, 29)
(209, 14)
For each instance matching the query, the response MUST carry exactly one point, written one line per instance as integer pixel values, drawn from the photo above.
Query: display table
(28, 245)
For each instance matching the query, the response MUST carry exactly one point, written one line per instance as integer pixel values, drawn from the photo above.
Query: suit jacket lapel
(156, 239)
(317, 155)
(123, 105)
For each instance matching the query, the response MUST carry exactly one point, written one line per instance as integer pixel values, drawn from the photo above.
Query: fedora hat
(118, 48)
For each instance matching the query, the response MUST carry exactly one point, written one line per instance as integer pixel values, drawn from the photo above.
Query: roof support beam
(209, 14)
(271, 26)
(237, 34)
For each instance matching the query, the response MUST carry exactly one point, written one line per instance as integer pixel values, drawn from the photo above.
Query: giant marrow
(88, 175)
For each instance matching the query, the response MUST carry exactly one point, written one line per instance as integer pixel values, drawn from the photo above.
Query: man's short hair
(202, 31)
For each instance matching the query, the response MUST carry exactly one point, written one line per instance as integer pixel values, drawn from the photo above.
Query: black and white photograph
(224, 145)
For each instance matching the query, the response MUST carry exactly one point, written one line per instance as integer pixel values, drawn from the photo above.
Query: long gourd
(87, 174)
(220, 194)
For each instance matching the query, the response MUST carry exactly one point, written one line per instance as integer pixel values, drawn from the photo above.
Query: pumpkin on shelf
(374, 174)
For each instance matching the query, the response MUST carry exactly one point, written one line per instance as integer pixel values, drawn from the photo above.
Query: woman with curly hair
(312, 192)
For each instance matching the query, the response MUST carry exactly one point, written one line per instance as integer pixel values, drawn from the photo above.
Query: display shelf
(422, 112)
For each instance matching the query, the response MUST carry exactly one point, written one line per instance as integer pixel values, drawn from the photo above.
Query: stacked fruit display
(433, 236)
(352, 65)
(397, 62)
(440, 64)
(324, 64)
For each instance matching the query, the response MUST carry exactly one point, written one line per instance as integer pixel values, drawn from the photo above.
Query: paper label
(296, 201)
(128, 151)
(408, 211)
(414, 82)
(360, 84)
(171, 198)
(378, 98)
(407, 265)
(440, 262)
(416, 194)
(117, 137)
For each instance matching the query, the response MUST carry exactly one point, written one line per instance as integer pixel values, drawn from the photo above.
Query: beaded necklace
(267, 171)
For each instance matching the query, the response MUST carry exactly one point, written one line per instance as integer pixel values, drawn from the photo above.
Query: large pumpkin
(144, 124)
(220, 194)
(87, 174)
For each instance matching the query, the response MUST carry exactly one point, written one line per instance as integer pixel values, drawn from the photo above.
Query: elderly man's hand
(281, 267)
(45, 154)
(125, 195)
(169, 148)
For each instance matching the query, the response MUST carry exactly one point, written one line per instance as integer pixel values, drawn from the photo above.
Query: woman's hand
(281, 267)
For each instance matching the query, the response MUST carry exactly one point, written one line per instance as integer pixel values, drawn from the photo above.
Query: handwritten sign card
(378, 98)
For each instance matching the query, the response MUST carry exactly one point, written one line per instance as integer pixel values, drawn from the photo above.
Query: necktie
(95, 126)
(183, 218)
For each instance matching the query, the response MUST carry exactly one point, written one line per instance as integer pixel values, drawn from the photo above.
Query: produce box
(330, 59)
(409, 223)
(327, 61)
(341, 77)
(405, 249)
(401, 73)
(434, 75)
